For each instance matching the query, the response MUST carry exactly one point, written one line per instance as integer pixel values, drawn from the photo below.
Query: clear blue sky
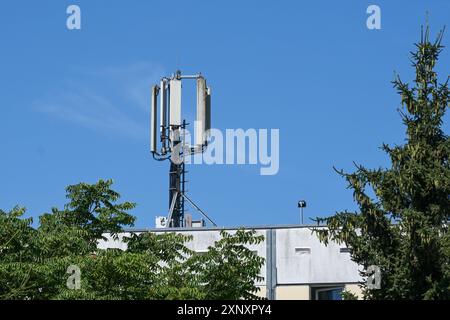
(74, 104)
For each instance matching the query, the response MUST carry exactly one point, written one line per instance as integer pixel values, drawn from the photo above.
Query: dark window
(326, 293)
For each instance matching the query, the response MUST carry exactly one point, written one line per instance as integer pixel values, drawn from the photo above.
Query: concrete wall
(302, 258)
(294, 292)
(204, 239)
(298, 259)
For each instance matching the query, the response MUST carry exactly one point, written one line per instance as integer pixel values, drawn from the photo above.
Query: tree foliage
(404, 229)
(34, 261)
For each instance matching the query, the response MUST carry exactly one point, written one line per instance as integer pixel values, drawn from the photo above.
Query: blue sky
(74, 104)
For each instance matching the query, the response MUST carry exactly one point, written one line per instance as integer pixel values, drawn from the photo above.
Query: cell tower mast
(173, 146)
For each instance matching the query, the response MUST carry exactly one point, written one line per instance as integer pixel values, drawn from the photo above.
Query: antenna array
(172, 145)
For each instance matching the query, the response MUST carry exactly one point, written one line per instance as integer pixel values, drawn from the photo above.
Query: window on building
(327, 293)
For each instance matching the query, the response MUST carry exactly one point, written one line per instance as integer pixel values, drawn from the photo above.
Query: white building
(297, 265)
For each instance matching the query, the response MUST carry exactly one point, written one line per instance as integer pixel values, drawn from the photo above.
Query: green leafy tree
(227, 270)
(90, 213)
(34, 262)
(228, 260)
(404, 229)
(16, 252)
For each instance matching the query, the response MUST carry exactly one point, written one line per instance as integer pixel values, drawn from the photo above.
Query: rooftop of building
(219, 228)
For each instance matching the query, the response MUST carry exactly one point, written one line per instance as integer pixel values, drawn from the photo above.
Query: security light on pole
(301, 204)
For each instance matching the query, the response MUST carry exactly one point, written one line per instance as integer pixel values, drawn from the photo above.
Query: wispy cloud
(108, 100)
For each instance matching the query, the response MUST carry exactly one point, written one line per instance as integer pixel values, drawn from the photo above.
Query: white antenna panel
(175, 102)
(208, 111)
(163, 106)
(201, 112)
(153, 122)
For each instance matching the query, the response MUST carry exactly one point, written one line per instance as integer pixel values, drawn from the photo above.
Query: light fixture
(301, 204)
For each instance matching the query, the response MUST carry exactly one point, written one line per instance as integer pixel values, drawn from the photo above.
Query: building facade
(297, 265)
